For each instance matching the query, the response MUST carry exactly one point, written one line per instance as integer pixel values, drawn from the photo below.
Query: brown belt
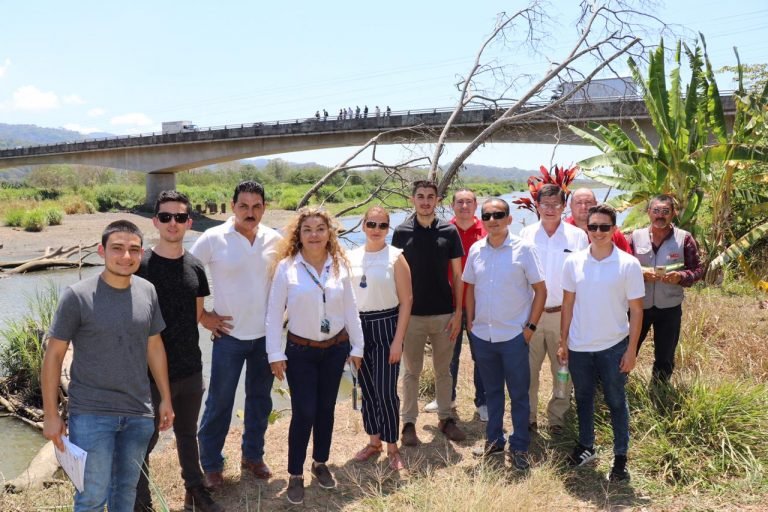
(553, 309)
(341, 337)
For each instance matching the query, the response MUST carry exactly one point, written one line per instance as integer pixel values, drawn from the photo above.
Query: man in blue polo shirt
(430, 246)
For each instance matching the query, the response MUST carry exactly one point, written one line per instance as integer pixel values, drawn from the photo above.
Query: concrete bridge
(160, 155)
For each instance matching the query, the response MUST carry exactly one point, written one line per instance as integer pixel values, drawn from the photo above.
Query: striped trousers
(378, 378)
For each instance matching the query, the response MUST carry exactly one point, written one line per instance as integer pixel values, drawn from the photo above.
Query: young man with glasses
(505, 298)
(597, 341)
(554, 241)
(670, 258)
(239, 254)
(582, 199)
(430, 245)
(470, 230)
(181, 285)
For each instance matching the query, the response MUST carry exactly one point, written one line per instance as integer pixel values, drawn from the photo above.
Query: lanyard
(325, 324)
(312, 275)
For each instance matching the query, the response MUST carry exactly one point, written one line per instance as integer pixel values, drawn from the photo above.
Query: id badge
(325, 326)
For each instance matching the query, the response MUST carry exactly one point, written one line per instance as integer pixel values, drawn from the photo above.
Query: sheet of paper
(72, 461)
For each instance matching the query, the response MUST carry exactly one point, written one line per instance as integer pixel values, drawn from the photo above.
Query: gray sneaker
(323, 475)
(295, 492)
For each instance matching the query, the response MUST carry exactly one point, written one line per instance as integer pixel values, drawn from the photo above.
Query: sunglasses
(166, 217)
(373, 225)
(661, 211)
(494, 215)
(603, 228)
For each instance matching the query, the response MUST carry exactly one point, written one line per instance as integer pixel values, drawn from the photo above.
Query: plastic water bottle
(561, 382)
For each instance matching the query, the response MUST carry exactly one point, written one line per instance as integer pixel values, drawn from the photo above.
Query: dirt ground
(17, 244)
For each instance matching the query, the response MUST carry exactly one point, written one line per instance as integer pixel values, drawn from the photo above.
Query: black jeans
(666, 333)
(186, 398)
(314, 375)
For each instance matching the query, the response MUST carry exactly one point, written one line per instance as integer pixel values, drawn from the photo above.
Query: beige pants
(545, 342)
(419, 329)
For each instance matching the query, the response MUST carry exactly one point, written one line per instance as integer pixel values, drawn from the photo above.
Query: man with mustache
(238, 254)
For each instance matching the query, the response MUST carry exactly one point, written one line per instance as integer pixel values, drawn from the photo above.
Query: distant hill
(12, 135)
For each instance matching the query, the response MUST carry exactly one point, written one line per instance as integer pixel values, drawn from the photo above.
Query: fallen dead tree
(61, 257)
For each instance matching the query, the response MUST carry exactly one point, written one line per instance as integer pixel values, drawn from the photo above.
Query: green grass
(54, 216)
(34, 220)
(14, 218)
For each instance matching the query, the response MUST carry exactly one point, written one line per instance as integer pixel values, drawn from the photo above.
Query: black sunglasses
(604, 228)
(495, 215)
(373, 225)
(166, 217)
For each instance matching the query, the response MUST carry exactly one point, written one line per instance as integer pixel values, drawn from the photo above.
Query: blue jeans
(586, 369)
(454, 368)
(227, 360)
(116, 446)
(500, 363)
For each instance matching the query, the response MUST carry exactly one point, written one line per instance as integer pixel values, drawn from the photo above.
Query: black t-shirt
(428, 252)
(179, 282)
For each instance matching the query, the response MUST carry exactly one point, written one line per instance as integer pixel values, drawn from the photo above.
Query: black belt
(553, 309)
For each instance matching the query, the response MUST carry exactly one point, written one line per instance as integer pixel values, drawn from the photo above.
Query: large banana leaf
(740, 246)
(751, 275)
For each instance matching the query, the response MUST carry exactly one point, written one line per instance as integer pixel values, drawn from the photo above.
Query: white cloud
(30, 97)
(5, 66)
(72, 99)
(96, 112)
(82, 129)
(134, 118)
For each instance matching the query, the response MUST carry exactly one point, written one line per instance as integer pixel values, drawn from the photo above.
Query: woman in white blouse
(311, 280)
(382, 282)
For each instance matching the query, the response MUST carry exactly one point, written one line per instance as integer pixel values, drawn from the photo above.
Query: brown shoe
(258, 469)
(409, 437)
(199, 499)
(213, 480)
(451, 430)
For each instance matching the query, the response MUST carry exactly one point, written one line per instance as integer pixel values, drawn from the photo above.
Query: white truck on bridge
(598, 89)
(179, 127)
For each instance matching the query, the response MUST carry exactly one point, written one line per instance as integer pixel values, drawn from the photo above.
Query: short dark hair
(664, 198)
(171, 196)
(551, 190)
(248, 186)
(121, 226)
(504, 204)
(603, 209)
(423, 184)
(453, 199)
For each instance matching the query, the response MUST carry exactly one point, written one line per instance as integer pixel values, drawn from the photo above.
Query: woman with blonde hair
(311, 281)
(382, 281)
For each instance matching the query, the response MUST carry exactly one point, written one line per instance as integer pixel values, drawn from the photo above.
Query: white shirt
(502, 277)
(239, 275)
(603, 290)
(378, 267)
(553, 250)
(292, 287)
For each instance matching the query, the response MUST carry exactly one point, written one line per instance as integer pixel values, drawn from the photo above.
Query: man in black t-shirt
(430, 246)
(181, 285)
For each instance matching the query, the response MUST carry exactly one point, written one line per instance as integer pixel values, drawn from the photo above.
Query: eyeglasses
(603, 228)
(495, 215)
(550, 206)
(373, 225)
(166, 217)
(661, 211)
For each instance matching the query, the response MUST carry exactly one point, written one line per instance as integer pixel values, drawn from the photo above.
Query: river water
(21, 442)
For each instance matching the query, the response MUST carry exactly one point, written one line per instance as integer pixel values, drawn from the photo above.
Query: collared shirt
(603, 290)
(502, 277)
(293, 288)
(468, 237)
(552, 251)
(619, 240)
(239, 274)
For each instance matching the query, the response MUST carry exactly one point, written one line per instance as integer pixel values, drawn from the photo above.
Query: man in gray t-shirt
(113, 321)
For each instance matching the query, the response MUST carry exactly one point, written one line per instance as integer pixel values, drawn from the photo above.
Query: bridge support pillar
(155, 184)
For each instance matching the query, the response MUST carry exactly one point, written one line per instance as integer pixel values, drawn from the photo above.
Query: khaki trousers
(419, 329)
(545, 342)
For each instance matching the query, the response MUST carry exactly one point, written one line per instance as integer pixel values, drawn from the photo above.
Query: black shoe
(520, 460)
(323, 475)
(619, 471)
(198, 499)
(487, 450)
(533, 427)
(555, 430)
(580, 456)
(295, 492)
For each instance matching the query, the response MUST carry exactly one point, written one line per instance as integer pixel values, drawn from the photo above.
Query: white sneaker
(432, 406)
(482, 413)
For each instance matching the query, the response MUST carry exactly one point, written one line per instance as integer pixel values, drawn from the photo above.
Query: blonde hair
(374, 210)
(290, 245)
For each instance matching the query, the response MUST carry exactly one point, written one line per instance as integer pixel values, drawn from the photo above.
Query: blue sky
(124, 67)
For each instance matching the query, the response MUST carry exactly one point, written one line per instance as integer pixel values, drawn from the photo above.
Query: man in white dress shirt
(554, 241)
(238, 254)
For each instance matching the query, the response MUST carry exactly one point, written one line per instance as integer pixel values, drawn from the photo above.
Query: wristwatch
(531, 326)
